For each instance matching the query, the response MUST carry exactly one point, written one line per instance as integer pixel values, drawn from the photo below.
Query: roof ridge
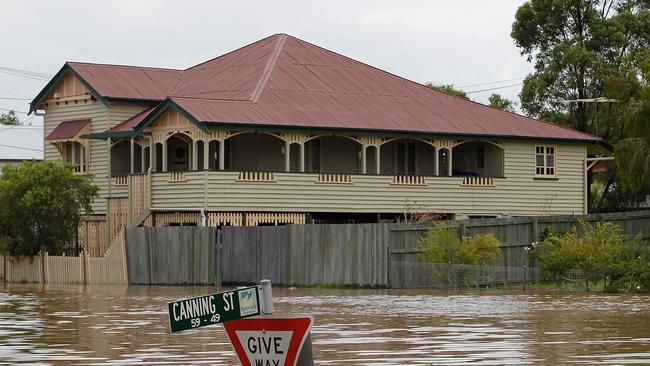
(228, 53)
(435, 91)
(268, 69)
(125, 66)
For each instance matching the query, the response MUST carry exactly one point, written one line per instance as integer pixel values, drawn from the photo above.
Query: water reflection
(114, 325)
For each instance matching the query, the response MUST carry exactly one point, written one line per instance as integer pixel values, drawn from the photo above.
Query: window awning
(68, 130)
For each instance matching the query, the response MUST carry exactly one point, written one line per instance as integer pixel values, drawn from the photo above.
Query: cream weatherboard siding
(98, 115)
(518, 194)
(101, 119)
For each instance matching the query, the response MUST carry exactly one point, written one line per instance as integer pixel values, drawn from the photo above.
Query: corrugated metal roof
(129, 124)
(128, 82)
(67, 129)
(284, 81)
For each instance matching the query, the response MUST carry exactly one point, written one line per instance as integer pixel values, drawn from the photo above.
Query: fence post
(449, 275)
(217, 257)
(525, 276)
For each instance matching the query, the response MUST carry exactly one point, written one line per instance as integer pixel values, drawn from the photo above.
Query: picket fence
(83, 269)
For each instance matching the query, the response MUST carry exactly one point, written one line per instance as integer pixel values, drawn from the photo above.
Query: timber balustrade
(122, 180)
(411, 180)
(177, 176)
(257, 176)
(478, 181)
(334, 178)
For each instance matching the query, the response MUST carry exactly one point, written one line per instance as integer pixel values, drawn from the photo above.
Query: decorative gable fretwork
(448, 144)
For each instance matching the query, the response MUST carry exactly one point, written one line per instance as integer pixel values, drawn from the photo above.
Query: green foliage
(9, 118)
(601, 251)
(40, 204)
(499, 102)
(590, 49)
(575, 47)
(441, 245)
(448, 89)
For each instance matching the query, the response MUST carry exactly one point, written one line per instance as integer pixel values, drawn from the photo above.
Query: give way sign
(270, 340)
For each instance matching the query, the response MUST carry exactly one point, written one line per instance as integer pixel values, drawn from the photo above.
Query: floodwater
(107, 325)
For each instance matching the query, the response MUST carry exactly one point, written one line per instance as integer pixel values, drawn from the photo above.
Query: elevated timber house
(282, 131)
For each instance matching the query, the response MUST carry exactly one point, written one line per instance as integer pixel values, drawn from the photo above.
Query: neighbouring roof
(21, 143)
(129, 124)
(284, 81)
(67, 130)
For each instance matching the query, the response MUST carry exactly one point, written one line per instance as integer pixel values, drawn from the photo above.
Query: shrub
(441, 245)
(40, 204)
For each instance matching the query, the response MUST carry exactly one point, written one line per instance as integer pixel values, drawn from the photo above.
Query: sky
(463, 42)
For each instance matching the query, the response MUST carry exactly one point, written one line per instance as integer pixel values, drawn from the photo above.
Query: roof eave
(48, 87)
(252, 126)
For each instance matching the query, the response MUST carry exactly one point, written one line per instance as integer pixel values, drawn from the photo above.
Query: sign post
(213, 309)
(271, 340)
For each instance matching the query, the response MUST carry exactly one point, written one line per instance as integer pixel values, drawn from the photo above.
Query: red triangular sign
(269, 340)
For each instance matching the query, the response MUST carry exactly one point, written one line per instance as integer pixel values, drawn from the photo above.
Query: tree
(40, 205)
(499, 102)
(441, 245)
(575, 46)
(448, 89)
(579, 49)
(9, 118)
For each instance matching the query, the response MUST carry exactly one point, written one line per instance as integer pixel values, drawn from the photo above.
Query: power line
(490, 89)
(491, 82)
(21, 124)
(12, 110)
(20, 148)
(14, 98)
(27, 72)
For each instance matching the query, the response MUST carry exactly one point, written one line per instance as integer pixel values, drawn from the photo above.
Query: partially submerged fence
(172, 255)
(458, 276)
(373, 255)
(83, 269)
(346, 254)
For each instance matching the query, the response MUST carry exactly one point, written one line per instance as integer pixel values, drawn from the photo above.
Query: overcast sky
(462, 42)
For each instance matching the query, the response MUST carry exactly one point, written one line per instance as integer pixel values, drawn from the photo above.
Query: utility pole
(591, 100)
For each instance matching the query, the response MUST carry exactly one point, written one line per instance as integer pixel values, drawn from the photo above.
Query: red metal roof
(284, 81)
(129, 82)
(67, 129)
(129, 124)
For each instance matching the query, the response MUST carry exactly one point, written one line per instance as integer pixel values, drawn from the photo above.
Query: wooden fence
(83, 269)
(93, 236)
(354, 255)
(172, 255)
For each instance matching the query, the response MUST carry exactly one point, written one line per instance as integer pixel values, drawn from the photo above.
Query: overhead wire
(20, 147)
(490, 82)
(496, 88)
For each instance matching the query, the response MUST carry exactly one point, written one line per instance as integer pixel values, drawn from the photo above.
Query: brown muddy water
(72, 325)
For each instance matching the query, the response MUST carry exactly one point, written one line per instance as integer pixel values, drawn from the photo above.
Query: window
(405, 158)
(545, 161)
(73, 153)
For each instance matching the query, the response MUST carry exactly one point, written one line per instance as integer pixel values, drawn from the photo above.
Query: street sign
(269, 340)
(213, 309)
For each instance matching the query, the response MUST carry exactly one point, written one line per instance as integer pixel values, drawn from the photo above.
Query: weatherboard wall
(519, 193)
(101, 119)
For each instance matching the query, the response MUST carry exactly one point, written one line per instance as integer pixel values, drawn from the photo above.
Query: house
(283, 131)
(19, 143)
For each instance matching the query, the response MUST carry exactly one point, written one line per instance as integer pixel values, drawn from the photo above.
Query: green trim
(107, 135)
(38, 99)
(390, 133)
(160, 109)
(134, 100)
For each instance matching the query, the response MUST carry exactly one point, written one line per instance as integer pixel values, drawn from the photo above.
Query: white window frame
(542, 171)
(78, 168)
